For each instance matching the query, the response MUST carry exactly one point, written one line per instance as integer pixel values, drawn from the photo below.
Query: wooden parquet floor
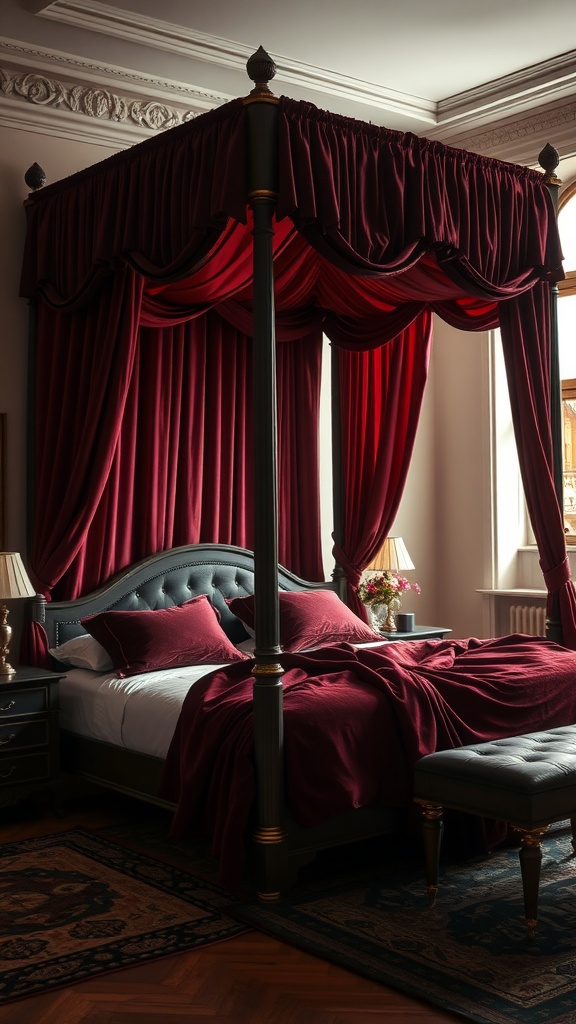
(251, 979)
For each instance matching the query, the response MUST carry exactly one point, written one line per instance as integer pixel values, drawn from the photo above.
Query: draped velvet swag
(142, 269)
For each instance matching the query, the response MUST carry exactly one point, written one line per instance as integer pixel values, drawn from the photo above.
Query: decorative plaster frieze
(521, 139)
(91, 101)
(528, 126)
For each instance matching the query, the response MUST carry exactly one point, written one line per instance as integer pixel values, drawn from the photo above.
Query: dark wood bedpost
(338, 575)
(549, 160)
(268, 836)
(35, 179)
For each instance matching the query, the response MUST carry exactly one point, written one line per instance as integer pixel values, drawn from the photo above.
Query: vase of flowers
(380, 592)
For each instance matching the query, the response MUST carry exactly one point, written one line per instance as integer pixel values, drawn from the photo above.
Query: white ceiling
(442, 68)
(423, 48)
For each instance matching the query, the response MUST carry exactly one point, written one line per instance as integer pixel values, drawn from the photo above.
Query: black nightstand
(418, 633)
(29, 744)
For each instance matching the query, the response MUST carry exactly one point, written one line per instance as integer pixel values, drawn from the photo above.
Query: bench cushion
(525, 780)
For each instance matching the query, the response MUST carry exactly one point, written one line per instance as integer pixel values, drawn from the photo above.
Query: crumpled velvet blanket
(355, 722)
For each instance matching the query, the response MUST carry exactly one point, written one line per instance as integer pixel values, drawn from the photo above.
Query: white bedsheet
(139, 712)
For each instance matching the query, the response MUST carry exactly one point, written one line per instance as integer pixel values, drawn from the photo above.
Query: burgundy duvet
(355, 721)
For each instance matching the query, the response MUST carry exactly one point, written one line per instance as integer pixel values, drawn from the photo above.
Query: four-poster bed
(357, 232)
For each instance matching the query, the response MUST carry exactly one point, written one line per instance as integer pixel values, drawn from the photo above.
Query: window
(569, 432)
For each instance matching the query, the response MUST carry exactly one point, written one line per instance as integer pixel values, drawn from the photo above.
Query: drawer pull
(11, 737)
(6, 775)
(8, 706)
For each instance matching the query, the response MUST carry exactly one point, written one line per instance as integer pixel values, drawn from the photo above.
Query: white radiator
(527, 619)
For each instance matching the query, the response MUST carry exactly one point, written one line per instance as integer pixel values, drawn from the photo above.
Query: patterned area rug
(469, 954)
(78, 904)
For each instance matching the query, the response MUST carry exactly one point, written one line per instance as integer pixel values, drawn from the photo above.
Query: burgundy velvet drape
(173, 463)
(526, 353)
(81, 392)
(375, 231)
(377, 202)
(381, 392)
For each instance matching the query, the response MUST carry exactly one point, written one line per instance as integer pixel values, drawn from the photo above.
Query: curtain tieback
(352, 572)
(558, 576)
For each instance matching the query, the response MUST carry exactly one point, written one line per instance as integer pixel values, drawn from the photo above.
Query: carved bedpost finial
(261, 70)
(35, 177)
(549, 160)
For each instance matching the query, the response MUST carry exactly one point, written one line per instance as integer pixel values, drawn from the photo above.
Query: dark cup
(405, 622)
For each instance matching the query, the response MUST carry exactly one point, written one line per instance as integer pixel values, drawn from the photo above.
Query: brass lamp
(392, 555)
(14, 583)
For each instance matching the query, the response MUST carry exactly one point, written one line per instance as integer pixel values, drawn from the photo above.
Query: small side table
(29, 740)
(418, 633)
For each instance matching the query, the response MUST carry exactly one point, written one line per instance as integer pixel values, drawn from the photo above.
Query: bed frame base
(275, 866)
(275, 857)
(110, 767)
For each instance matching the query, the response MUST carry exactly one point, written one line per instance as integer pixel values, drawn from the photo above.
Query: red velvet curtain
(390, 227)
(159, 206)
(84, 367)
(525, 344)
(173, 465)
(376, 202)
(381, 392)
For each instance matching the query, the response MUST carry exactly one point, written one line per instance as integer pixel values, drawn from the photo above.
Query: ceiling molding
(539, 84)
(24, 57)
(555, 78)
(91, 15)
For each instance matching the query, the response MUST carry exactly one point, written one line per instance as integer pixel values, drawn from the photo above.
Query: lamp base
(6, 670)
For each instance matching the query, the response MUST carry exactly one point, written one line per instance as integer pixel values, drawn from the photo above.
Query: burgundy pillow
(142, 641)
(310, 618)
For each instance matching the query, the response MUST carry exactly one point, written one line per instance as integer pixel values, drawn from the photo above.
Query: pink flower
(384, 587)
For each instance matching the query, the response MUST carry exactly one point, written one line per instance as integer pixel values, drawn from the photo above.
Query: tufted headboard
(163, 580)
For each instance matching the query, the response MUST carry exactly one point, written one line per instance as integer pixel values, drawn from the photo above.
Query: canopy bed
(266, 223)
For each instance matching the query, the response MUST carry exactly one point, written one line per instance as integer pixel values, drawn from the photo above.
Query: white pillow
(83, 652)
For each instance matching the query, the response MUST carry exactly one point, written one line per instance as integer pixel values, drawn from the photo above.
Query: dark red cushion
(310, 618)
(142, 641)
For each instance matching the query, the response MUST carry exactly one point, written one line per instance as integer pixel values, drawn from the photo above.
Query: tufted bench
(526, 781)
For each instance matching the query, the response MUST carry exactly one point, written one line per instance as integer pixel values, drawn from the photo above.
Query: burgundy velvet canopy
(143, 269)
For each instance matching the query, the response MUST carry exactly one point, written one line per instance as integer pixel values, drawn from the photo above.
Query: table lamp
(14, 583)
(393, 555)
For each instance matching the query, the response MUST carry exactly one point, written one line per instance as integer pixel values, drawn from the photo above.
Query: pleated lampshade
(14, 581)
(392, 555)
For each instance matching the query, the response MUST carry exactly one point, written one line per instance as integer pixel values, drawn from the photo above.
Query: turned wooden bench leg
(530, 862)
(432, 828)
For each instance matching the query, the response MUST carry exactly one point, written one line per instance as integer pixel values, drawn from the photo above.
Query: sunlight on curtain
(567, 228)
